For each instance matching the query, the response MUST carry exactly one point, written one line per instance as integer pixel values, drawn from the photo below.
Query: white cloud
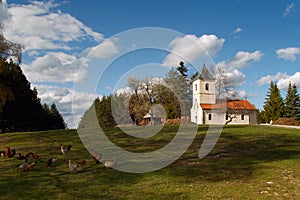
(290, 9)
(56, 67)
(4, 14)
(293, 79)
(236, 78)
(126, 90)
(190, 47)
(38, 26)
(238, 29)
(241, 59)
(290, 53)
(234, 94)
(70, 103)
(267, 79)
(105, 49)
(282, 79)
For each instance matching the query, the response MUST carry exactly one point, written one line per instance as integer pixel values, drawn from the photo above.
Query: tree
(182, 94)
(182, 69)
(292, 102)
(139, 106)
(104, 112)
(135, 84)
(5, 95)
(8, 48)
(56, 119)
(165, 97)
(273, 106)
(225, 89)
(23, 110)
(20, 107)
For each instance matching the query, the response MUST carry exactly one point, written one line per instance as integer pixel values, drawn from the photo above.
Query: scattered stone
(264, 192)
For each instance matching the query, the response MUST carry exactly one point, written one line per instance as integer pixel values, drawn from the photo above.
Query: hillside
(249, 162)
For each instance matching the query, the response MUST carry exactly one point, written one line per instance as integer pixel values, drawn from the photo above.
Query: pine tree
(182, 69)
(181, 90)
(274, 106)
(56, 120)
(292, 101)
(20, 107)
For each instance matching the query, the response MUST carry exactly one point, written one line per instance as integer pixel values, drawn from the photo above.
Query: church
(206, 109)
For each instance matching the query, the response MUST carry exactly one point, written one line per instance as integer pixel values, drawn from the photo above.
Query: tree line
(276, 107)
(172, 92)
(20, 107)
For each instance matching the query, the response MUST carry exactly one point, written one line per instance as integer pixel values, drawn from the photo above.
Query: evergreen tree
(104, 112)
(182, 69)
(181, 90)
(56, 120)
(20, 107)
(274, 106)
(22, 110)
(292, 101)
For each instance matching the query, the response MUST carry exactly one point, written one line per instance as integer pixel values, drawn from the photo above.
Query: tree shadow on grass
(236, 155)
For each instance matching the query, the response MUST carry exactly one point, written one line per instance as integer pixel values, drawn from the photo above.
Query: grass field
(248, 162)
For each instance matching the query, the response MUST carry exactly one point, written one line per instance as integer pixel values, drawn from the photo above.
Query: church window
(243, 117)
(209, 116)
(207, 86)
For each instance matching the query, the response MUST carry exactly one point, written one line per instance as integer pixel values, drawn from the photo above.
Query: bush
(287, 121)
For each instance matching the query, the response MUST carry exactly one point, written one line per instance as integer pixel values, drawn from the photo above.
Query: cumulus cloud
(105, 49)
(190, 47)
(236, 78)
(289, 9)
(290, 53)
(241, 59)
(282, 79)
(56, 67)
(231, 67)
(4, 14)
(39, 26)
(70, 103)
(293, 79)
(267, 79)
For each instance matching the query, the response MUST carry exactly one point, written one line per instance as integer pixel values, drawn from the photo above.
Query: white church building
(205, 109)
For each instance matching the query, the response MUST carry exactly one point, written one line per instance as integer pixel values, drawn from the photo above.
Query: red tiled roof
(231, 105)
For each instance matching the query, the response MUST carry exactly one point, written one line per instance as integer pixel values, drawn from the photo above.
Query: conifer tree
(20, 107)
(292, 101)
(57, 121)
(182, 69)
(274, 106)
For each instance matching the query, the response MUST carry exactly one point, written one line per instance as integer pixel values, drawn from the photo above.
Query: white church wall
(213, 117)
(240, 119)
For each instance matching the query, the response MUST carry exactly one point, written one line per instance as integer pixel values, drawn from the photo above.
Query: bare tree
(224, 85)
(135, 84)
(8, 48)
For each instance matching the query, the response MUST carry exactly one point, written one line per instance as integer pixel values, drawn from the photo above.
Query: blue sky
(254, 41)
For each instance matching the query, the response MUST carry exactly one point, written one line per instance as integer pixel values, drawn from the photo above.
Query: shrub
(287, 121)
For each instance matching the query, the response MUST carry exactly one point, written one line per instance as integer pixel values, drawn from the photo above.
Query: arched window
(207, 86)
(209, 116)
(243, 117)
(196, 87)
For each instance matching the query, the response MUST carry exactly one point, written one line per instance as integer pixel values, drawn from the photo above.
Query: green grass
(239, 167)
